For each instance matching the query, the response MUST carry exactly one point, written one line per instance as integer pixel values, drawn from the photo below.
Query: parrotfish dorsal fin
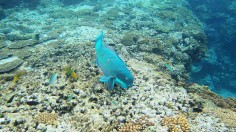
(99, 41)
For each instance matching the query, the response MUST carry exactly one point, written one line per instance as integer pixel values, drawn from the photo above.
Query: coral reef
(157, 39)
(227, 116)
(206, 93)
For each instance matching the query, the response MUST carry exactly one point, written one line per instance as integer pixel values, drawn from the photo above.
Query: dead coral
(47, 118)
(176, 124)
(137, 125)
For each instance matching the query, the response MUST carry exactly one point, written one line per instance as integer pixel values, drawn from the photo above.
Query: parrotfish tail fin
(109, 80)
(98, 41)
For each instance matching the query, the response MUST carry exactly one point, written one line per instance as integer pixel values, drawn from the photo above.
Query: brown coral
(46, 118)
(176, 124)
(135, 126)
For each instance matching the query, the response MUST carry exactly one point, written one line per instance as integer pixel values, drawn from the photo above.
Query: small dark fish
(11, 99)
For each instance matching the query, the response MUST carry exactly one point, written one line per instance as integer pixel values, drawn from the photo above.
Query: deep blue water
(218, 69)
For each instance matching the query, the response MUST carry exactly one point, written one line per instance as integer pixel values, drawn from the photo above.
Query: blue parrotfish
(113, 67)
(53, 78)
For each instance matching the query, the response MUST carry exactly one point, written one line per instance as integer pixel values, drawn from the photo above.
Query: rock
(22, 43)
(168, 112)
(32, 102)
(4, 56)
(51, 129)
(15, 37)
(76, 91)
(5, 30)
(3, 44)
(41, 127)
(2, 120)
(9, 64)
(2, 37)
(121, 119)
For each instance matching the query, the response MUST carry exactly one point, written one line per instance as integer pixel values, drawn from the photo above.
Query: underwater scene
(117, 66)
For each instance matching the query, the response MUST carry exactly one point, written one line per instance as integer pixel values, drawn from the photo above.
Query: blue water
(218, 68)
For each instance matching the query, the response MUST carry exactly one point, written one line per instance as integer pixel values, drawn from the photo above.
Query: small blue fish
(53, 78)
(169, 67)
(114, 69)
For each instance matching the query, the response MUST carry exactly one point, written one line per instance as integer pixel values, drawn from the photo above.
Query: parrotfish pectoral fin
(111, 83)
(109, 80)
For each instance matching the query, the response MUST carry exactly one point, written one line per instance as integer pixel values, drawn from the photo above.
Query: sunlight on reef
(49, 78)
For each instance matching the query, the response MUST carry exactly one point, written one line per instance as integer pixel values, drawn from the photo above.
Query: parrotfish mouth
(113, 67)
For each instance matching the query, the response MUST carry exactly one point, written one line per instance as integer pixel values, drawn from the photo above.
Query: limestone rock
(9, 64)
(22, 43)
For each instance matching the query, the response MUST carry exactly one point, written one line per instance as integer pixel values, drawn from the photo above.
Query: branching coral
(176, 124)
(46, 118)
(134, 126)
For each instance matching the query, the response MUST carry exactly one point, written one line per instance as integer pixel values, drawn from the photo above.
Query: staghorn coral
(176, 124)
(46, 118)
(137, 125)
